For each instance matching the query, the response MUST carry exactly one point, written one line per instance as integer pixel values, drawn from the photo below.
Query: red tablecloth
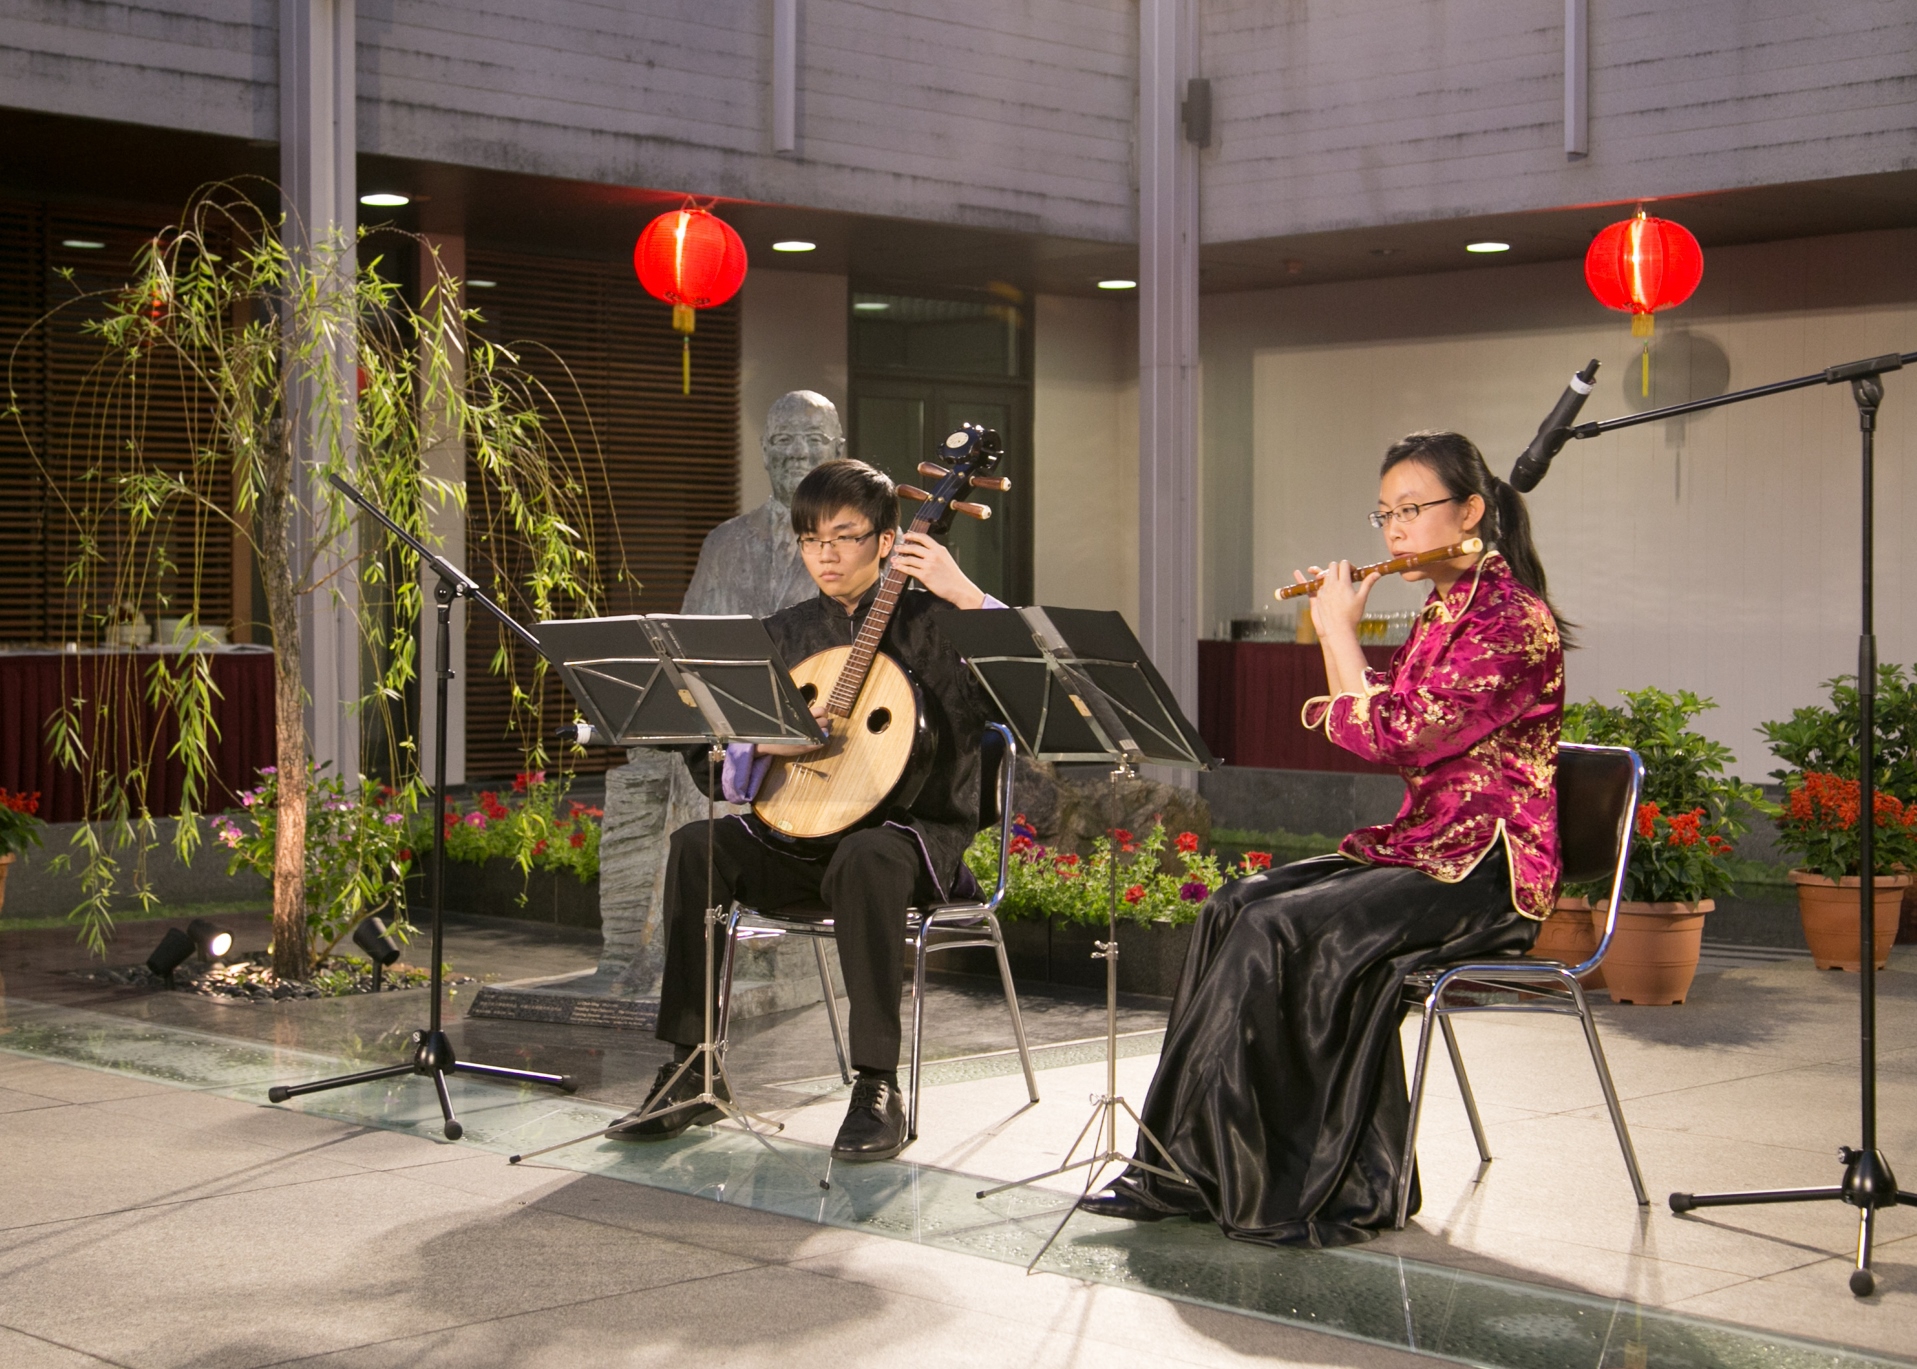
(1249, 696)
(35, 684)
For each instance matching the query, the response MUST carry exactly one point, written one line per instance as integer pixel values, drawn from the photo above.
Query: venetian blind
(660, 468)
(76, 410)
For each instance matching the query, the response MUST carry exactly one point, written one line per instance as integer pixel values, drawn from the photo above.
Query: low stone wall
(499, 888)
(36, 890)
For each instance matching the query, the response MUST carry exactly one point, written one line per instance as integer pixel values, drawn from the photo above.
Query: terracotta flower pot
(1653, 955)
(1568, 935)
(1829, 914)
(6, 863)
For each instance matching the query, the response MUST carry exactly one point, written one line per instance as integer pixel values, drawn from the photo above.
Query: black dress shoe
(666, 1125)
(874, 1126)
(1120, 1201)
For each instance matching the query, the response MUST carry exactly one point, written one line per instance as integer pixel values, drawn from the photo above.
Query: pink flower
(476, 820)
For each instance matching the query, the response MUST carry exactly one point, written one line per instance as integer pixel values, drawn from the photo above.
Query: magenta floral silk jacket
(1468, 711)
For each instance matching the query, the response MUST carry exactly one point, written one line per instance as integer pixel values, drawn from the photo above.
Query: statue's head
(801, 431)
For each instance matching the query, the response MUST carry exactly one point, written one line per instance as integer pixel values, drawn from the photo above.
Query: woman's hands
(1339, 603)
(1336, 610)
(932, 565)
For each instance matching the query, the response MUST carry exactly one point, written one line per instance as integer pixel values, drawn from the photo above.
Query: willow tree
(295, 365)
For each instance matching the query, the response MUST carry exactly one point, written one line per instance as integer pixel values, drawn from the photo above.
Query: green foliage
(359, 847)
(1823, 737)
(291, 364)
(535, 826)
(19, 828)
(1690, 811)
(1045, 884)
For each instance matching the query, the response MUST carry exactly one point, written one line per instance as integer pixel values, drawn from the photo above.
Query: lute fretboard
(845, 693)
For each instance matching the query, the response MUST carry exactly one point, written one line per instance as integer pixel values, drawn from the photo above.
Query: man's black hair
(845, 484)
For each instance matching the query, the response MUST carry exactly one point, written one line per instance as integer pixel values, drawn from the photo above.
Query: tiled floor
(159, 1215)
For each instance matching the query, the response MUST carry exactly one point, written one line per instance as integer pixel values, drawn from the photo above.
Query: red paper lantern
(1642, 265)
(691, 259)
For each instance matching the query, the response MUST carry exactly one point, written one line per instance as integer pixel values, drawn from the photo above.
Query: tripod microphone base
(432, 1056)
(1867, 1186)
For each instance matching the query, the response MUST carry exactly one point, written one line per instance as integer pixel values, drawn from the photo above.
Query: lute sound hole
(810, 693)
(878, 720)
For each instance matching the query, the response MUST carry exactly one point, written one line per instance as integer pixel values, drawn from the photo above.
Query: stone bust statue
(751, 564)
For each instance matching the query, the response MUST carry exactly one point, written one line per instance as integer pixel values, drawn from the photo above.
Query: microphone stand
(432, 1049)
(1868, 1183)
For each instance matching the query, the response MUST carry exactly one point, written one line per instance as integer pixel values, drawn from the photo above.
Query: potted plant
(1688, 819)
(1823, 737)
(19, 829)
(1820, 826)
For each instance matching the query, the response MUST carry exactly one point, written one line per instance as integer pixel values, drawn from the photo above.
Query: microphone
(581, 733)
(1553, 433)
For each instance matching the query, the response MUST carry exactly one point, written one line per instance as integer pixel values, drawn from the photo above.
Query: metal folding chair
(941, 927)
(1597, 804)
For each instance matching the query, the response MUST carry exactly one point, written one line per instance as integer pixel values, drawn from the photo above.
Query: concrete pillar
(445, 459)
(320, 185)
(1168, 347)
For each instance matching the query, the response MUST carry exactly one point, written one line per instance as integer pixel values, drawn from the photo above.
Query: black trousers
(868, 884)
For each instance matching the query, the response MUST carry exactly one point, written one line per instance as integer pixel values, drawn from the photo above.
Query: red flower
(1135, 893)
(20, 802)
(576, 840)
(539, 847)
(1684, 828)
(1258, 860)
(490, 805)
(1647, 815)
(1020, 845)
(1187, 841)
(1123, 838)
(405, 853)
(527, 778)
(1067, 861)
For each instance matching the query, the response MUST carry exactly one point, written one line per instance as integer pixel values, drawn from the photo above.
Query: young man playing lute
(845, 516)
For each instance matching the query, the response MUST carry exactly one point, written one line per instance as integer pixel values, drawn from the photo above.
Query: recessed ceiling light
(1118, 285)
(1487, 247)
(794, 245)
(871, 306)
(84, 244)
(384, 200)
(482, 284)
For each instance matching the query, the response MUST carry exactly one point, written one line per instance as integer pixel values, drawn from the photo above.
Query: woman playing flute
(1280, 1090)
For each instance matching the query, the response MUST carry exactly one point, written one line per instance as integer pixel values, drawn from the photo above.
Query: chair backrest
(997, 775)
(1597, 807)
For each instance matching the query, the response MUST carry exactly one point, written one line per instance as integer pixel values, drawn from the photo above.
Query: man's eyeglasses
(1405, 513)
(841, 546)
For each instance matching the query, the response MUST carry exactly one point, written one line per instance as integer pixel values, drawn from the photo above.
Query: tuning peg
(914, 492)
(978, 511)
(933, 469)
(1001, 483)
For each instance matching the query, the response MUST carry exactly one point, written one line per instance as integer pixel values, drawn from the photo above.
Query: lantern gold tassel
(683, 319)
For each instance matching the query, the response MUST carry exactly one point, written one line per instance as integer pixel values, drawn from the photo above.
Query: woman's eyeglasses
(1405, 513)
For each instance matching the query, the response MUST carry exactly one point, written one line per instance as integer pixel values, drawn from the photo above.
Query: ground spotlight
(171, 953)
(372, 937)
(212, 940)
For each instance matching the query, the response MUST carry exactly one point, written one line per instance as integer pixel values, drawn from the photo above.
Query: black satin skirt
(1281, 1087)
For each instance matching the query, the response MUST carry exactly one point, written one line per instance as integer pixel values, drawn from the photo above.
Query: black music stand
(671, 680)
(1868, 1183)
(432, 1051)
(1075, 685)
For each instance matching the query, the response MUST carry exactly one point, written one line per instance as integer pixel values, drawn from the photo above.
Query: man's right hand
(825, 726)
